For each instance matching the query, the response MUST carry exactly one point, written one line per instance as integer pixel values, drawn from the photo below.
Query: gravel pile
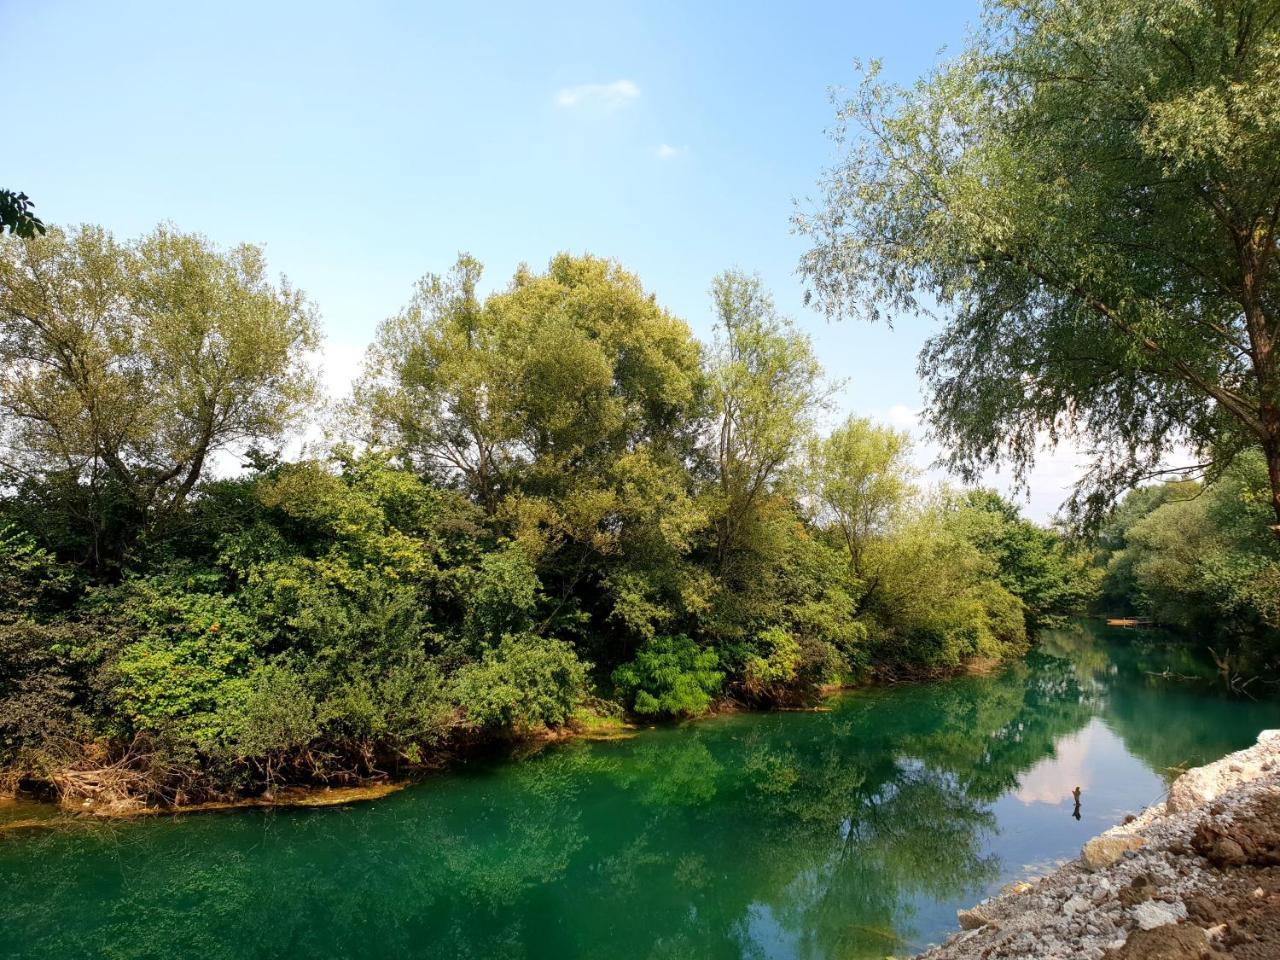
(1197, 876)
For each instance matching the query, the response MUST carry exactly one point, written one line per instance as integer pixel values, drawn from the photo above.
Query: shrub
(504, 593)
(278, 716)
(775, 667)
(670, 675)
(38, 685)
(186, 672)
(401, 705)
(527, 681)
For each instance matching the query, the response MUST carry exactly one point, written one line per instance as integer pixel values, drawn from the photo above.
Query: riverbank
(1196, 876)
(115, 800)
(99, 795)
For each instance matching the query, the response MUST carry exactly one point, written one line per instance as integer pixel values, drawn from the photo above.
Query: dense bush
(939, 600)
(1201, 558)
(670, 675)
(526, 681)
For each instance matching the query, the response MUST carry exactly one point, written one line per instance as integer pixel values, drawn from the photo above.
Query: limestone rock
(1152, 913)
(1075, 905)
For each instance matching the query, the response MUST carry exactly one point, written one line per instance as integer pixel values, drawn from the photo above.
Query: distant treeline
(536, 507)
(1199, 557)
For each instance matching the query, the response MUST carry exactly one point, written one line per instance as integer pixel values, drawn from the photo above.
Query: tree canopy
(128, 365)
(1090, 193)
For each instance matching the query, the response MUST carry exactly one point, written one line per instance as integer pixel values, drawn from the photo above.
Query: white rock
(1151, 913)
(1075, 905)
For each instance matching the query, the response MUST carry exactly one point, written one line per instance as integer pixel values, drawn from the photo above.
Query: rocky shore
(1196, 877)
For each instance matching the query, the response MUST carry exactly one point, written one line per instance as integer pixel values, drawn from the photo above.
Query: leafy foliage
(1201, 559)
(16, 216)
(558, 493)
(127, 366)
(670, 675)
(525, 681)
(991, 188)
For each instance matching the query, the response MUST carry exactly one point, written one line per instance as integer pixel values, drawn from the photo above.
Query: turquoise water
(853, 832)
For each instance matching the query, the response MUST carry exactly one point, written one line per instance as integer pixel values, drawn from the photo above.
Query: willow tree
(861, 476)
(768, 390)
(1090, 193)
(129, 365)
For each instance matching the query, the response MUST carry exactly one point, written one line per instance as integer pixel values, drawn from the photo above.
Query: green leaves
(554, 477)
(127, 366)
(1088, 194)
(1201, 558)
(526, 681)
(670, 675)
(16, 216)
(187, 671)
(860, 477)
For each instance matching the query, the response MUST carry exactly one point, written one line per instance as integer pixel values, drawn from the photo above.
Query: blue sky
(365, 144)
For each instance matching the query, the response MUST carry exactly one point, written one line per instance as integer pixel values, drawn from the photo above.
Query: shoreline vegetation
(541, 504)
(550, 494)
(511, 746)
(549, 500)
(582, 726)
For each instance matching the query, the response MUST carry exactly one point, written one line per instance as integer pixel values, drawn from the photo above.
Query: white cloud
(610, 96)
(666, 151)
(903, 417)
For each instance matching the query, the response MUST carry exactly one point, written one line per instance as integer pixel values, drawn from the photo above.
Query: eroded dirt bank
(1197, 876)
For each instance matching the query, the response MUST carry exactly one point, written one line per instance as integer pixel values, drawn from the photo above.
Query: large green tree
(1090, 191)
(128, 365)
(767, 391)
(568, 406)
(862, 476)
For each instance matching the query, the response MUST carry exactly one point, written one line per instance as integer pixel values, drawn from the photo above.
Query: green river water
(853, 832)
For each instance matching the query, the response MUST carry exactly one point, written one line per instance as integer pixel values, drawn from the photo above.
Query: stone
(1075, 905)
(1193, 789)
(1226, 853)
(1101, 852)
(1015, 888)
(1152, 913)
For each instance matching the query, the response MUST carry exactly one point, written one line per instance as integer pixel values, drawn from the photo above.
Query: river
(851, 832)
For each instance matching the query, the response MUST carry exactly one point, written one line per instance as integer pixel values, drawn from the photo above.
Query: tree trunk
(1272, 451)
